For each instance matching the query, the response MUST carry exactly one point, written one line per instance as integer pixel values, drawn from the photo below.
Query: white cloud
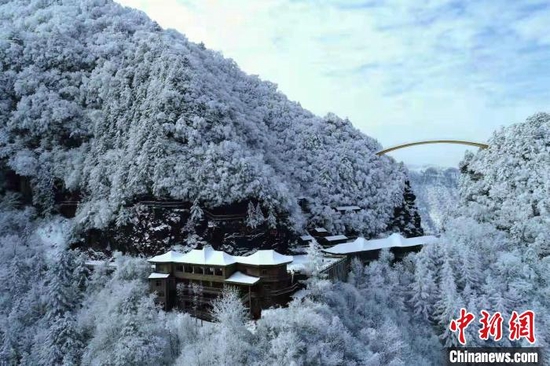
(400, 70)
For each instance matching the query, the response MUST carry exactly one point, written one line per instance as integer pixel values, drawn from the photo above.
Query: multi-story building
(191, 281)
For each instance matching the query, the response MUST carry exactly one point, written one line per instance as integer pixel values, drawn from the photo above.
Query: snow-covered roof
(306, 237)
(207, 256)
(170, 256)
(354, 246)
(300, 262)
(348, 208)
(154, 276)
(336, 237)
(320, 230)
(265, 258)
(392, 241)
(241, 278)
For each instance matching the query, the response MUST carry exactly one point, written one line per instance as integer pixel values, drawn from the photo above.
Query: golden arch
(459, 142)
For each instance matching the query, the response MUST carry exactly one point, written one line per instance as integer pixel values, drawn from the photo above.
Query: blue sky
(400, 70)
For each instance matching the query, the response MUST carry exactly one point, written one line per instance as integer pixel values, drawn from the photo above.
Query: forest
(99, 100)
(100, 103)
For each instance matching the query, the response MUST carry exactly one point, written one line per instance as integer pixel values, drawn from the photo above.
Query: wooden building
(305, 239)
(319, 232)
(331, 240)
(367, 250)
(193, 280)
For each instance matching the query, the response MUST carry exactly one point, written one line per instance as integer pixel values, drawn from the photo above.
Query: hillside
(494, 251)
(508, 185)
(436, 190)
(102, 107)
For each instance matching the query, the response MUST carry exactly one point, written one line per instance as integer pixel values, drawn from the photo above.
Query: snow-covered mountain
(436, 191)
(98, 102)
(508, 185)
(494, 251)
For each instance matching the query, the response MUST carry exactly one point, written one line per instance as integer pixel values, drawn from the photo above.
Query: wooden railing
(286, 290)
(340, 266)
(245, 299)
(230, 217)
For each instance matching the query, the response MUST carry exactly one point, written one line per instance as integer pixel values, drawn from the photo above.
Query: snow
(151, 112)
(320, 230)
(207, 256)
(95, 263)
(394, 240)
(299, 263)
(52, 234)
(154, 276)
(241, 278)
(186, 156)
(336, 237)
(300, 294)
(348, 208)
(168, 257)
(265, 258)
(421, 240)
(436, 191)
(306, 237)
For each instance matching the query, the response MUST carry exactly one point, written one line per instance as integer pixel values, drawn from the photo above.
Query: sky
(401, 71)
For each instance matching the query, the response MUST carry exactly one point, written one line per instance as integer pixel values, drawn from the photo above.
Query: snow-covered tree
(196, 212)
(97, 99)
(271, 219)
(251, 216)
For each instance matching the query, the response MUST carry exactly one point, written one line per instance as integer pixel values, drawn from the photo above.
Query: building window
(158, 283)
(218, 272)
(179, 268)
(210, 271)
(161, 293)
(198, 270)
(188, 269)
(264, 271)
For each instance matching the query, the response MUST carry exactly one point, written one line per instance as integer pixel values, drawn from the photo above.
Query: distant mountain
(436, 191)
(101, 106)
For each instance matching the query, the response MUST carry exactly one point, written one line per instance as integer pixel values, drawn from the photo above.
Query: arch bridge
(427, 142)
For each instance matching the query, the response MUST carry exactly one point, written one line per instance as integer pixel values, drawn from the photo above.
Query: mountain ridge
(102, 104)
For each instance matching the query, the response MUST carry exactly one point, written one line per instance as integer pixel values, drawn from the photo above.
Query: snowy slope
(99, 100)
(436, 191)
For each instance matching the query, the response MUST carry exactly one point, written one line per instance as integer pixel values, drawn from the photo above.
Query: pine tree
(424, 290)
(196, 212)
(63, 344)
(271, 219)
(448, 305)
(251, 216)
(317, 282)
(260, 219)
(63, 291)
